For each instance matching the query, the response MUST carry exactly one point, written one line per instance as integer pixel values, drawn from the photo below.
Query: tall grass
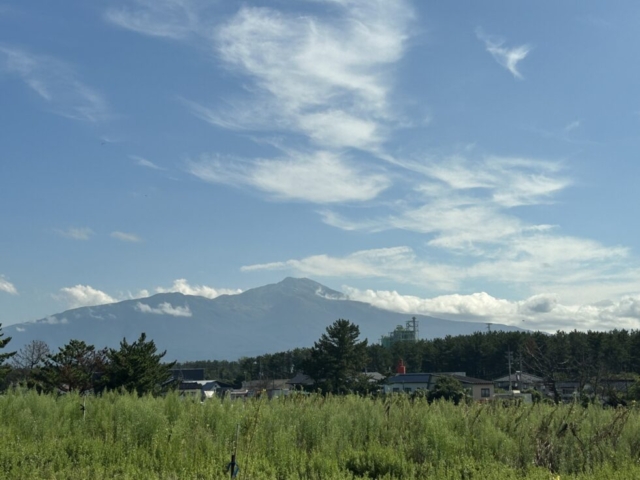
(122, 436)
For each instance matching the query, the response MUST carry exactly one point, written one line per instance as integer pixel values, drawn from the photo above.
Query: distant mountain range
(278, 317)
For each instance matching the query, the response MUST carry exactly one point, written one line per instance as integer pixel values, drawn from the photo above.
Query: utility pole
(510, 359)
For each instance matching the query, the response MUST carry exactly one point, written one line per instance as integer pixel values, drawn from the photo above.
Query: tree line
(77, 366)
(337, 359)
(580, 356)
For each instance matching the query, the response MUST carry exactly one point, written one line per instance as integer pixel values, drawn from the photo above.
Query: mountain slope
(278, 317)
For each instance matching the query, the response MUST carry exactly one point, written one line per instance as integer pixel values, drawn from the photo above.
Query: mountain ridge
(276, 317)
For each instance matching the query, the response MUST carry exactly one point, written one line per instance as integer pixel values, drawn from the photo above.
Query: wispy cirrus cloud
(400, 264)
(7, 287)
(467, 204)
(507, 57)
(573, 125)
(56, 83)
(321, 177)
(325, 77)
(126, 237)
(143, 162)
(173, 19)
(76, 233)
(543, 261)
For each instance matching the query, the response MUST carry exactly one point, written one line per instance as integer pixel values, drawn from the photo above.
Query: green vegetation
(447, 388)
(136, 367)
(4, 369)
(128, 437)
(337, 359)
(586, 357)
(74, 367)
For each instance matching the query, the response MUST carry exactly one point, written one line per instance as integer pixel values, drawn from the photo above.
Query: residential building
(476, 388)
(520, 381)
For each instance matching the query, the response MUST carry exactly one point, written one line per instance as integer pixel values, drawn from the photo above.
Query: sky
(473, 161)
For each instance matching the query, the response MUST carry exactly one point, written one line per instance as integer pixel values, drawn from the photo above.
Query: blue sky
(473, 161)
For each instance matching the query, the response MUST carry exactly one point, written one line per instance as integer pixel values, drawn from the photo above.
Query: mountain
(278, 317)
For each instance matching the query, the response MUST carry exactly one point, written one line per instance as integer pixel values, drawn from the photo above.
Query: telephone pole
(510, 359)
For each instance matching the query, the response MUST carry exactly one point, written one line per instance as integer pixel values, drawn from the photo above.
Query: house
(204, 388)
(300, 381)
(571, 390)
(273, 388)
(520, 381)
(408, 382)
(411, 382)
(476, 388)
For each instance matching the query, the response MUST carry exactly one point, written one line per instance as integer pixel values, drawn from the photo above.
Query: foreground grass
(317, 438)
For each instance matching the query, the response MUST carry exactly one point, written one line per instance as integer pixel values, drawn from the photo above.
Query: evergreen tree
(4, 369)
(137, 367)
(337, 358)
(76, 367)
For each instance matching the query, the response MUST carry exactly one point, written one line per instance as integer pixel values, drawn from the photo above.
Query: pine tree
(337, 359)
(137, 367)
(4, 369)
(76, 367)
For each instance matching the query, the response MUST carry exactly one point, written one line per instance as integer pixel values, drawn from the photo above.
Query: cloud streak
(172, 19)
(323, 77)
(76, 233)
(7, 287)
(322, 177)
(507, 57)
(164, 308)
(126, 237)
(55, 83)
(399, 264)
(143, 162)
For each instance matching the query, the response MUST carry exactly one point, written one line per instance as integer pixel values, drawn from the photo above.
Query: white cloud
(126, 237)
(83, 296)
(507, 57)
(182, 286)
(7, 287)
(76, 233)
(174, 19)
(53, 320)
(542, 311)
(143, 162)
(56, 83)
(164, 308)
(540, 261)
(20, 329)
(322, 177)
(312, 71)
(573, 125)
(87, 296)
(466, 205)
(399, 264)
(326, 77)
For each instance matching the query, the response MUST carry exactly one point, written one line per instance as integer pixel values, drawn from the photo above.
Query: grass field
(311, 437)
